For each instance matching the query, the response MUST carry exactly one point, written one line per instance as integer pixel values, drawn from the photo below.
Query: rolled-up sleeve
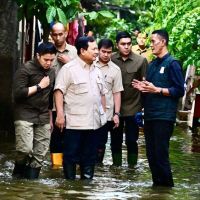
(117, 84)
(177, 89)
(20, 86)
(63, 80)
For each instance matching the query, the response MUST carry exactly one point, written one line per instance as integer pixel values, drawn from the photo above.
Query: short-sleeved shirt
(69, 51)
(147, 53)
(82, 89)
(132, 68)
(113, 80)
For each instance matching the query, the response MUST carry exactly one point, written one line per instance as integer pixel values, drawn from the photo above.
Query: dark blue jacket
(164, 72)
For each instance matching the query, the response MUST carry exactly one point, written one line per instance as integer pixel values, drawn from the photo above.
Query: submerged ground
(109, 183)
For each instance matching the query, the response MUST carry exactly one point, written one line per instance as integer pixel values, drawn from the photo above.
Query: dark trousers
(80, 147)
(102, 140)
(131, 129)
(57, 138)
(103, 134)
(157, 137)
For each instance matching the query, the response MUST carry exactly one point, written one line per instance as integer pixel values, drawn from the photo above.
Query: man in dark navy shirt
(163, 87)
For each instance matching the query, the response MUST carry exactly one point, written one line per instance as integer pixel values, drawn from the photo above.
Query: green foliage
(116, 26)
(55, 10)
(100, 21)
(108, 27)
(105, 24)
(181, 18)
(100, 15)
(51, 13)
(61, 16)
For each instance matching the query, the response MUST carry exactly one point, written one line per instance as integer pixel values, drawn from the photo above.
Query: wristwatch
(38, 88)
(117, 113)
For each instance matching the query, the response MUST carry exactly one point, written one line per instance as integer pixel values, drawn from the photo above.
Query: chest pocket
(80, 88)
(131, 73)
(108, 81)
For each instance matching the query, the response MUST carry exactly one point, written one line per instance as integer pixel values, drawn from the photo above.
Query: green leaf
(50, 14)
(50, 2)
(198, 63)
(65, 2)
(92, 15)
(71, 13)
(107, 14)
(61, 16)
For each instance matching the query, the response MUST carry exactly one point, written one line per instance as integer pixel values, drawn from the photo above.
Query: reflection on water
(109, 183)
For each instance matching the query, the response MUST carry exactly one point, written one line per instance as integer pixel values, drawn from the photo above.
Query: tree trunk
(8, 62)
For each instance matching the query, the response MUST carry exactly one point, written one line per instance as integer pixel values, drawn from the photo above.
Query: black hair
(136, 29)
(106, 43)
(163, 34)
(122, 34)
(45, 48)
(82, 43)
(87, 29)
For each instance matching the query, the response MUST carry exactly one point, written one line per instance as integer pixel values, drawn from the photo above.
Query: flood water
(109, 183)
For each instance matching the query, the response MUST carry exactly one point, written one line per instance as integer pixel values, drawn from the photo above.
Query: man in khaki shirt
(132, 67)
(65, 53)
(113, 80)
(141, 49)
(80, 85)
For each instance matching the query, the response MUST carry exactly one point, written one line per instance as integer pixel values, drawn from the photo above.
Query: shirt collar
(164, 57)
(131, 56)
(67, 48)
(141, 50)
(100, 65)
(84, 64)
(160, 60)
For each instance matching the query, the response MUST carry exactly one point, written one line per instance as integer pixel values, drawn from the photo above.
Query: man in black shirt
(33, 84)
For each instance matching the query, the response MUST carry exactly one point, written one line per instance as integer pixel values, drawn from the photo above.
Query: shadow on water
(109, 183)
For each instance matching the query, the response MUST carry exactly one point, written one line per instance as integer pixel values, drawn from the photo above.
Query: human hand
(44, 82)
(116, 121)
(63, 58)
(138, 84)
(60, 121)
(150, 87)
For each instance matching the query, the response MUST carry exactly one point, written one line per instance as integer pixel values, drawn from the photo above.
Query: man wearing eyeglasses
(163, 87)
(132, 67)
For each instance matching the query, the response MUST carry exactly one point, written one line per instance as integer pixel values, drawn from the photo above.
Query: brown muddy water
(109, 183)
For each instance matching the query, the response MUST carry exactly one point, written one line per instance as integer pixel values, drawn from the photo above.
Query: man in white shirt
(80, 105)
(113, 80)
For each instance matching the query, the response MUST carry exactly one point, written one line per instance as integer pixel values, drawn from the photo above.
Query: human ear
(37, 55)
(82, 51)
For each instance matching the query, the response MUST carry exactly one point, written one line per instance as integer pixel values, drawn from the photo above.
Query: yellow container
(57, 160)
